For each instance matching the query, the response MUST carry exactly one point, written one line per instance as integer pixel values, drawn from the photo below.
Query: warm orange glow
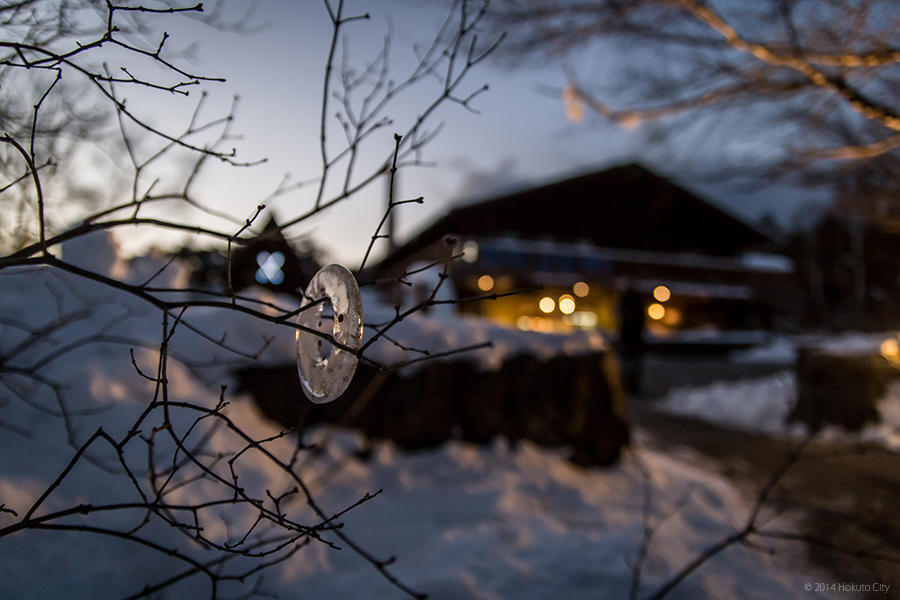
(503, 283)
(581, 289)
(629, 120)
(547, 304)
(662, 293)
(485, 283)
(524, 323)
(672, 317)
(573, 105)
(566, 304)
(656, 311)
(890, 349)
(540, 324)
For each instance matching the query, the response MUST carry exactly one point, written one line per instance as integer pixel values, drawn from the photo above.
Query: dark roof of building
(621, 207)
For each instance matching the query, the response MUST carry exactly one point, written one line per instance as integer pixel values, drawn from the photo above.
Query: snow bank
(761, 404)
(466, 522)
(764, 403)
(850, 343)
(503, 522)
(779, 350)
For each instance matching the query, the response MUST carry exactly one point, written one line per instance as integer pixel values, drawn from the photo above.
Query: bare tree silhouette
(807, 85)
(191, 467)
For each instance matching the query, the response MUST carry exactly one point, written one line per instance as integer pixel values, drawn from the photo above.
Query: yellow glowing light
(890, 349)
(656, 311)
(662, 293)
(485, 283)
(566, 304)
(581, 289)
(524, 323)
(547, 304)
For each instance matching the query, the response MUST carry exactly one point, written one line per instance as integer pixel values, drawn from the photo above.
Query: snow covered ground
(464, 521)
(496, 522)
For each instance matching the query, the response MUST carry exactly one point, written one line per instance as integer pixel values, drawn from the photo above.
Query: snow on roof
(747, 262)
(767, 261)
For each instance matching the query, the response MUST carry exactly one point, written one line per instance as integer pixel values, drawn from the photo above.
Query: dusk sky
(520, 137)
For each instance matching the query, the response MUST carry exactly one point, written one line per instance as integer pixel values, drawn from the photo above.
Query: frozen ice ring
(325, 376)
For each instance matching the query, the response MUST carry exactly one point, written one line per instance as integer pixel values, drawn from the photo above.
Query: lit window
(662, 293)
(547, 304)
(485, 283)
(581, 289)
(269, 270)
(656, 311)
(584, 318)
(566, 304)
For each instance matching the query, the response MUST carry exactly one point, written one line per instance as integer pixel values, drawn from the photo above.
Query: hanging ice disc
(325, 375)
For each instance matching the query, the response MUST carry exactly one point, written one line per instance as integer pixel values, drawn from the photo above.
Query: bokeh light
(470, 251)
(890, 349)
(485, 283)
(581, 289)
(662, 293)
(656, 311)
(547, 304)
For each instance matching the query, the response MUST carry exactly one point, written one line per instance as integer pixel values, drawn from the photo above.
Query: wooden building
(589, 239)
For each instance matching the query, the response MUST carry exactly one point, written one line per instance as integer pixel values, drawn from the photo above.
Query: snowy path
(845, 491)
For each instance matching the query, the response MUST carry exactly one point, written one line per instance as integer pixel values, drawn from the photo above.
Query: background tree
(808, 87)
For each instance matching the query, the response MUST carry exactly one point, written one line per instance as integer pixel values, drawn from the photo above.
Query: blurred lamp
(547, 304)
(656, 311)
(890, 349)
(662, 293)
